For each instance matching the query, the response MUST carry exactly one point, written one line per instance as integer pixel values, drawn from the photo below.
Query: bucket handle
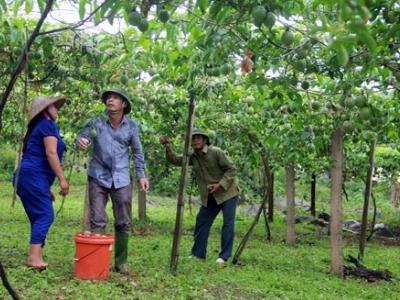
(90, 253)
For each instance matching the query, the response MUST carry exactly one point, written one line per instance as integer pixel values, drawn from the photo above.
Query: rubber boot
(121, 252)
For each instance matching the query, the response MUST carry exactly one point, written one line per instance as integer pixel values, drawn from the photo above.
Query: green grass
(267, 270)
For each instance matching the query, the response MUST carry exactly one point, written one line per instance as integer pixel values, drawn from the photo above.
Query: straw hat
(42, 102)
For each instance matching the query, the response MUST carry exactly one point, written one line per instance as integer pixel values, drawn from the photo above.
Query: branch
(80, 23)
(22, 60)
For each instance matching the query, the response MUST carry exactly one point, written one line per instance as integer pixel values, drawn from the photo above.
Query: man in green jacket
(215, 175)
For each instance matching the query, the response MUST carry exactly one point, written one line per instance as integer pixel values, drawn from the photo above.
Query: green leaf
(28, 6)
(17, 5)
(171, 35)
(97, 15)
(342, 55)
(366, 38)
(144, 41)
(345, 11)
(113, 12)
(82, 4)
(271, 140)
(106, 7)
(223, 15)
(202, 4)
(393, 31)
(3, 4)
(41, 4)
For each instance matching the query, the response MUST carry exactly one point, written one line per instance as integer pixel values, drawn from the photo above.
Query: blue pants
(34, 191)
(205, 219)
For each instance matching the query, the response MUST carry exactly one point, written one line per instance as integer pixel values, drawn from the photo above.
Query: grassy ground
(267, 270)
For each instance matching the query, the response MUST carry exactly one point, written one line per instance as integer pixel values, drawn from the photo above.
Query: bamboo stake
(141, 204)
(86, 219)
(262, 209)
(68, 180)
(180, 203)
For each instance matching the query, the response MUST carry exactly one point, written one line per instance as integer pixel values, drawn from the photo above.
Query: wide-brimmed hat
(40, 103)
(120, 92)
(198, 131)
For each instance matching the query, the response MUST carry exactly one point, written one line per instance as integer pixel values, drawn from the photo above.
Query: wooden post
(86, 211)
(395, 193)
(290, 192)
(336, 240)
(180, 202)
(141, 204)
(367, 196)
(313, 193)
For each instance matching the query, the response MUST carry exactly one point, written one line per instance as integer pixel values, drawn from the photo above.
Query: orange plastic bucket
(93, 255)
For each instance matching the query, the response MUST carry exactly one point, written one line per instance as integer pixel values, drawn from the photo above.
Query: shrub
(7, 161)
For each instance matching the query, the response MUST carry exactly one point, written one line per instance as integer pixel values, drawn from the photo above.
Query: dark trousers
(121, 204)
(205, 219)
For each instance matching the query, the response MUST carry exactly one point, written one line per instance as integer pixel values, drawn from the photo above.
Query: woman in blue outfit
(42, 153)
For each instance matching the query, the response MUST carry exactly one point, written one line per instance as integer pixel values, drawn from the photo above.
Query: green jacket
(212, 165)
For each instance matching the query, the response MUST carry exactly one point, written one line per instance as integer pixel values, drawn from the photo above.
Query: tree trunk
(271, 198)
(22, 60)
(336, 203)
(313, 193)
(141, 204)
(367, 196)
(180, 202)
(395, 194)
(290, 192)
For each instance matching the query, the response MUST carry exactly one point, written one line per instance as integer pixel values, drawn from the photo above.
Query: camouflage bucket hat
(197, 131)
(121, 93)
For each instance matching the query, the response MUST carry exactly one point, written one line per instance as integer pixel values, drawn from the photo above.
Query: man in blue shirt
(112, 136)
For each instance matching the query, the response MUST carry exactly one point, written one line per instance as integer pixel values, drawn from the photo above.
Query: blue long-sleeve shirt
(111, 151)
